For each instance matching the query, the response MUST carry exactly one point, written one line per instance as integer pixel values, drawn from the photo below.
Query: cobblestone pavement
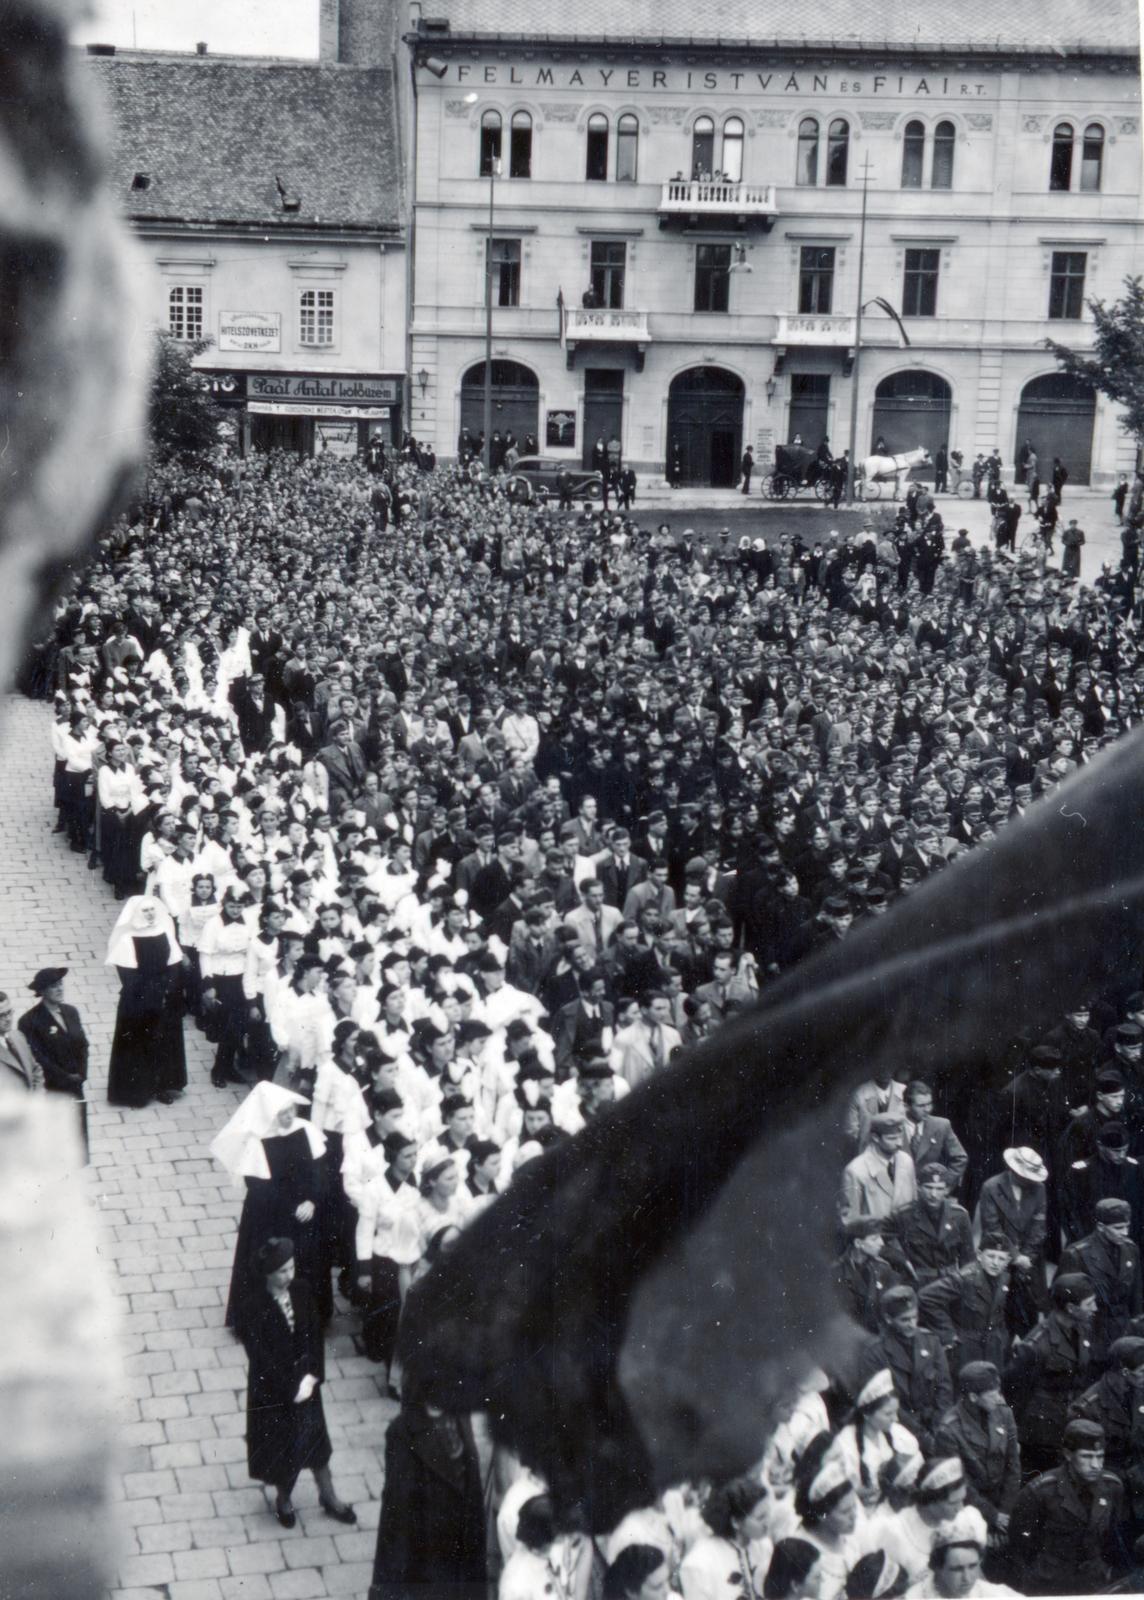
(194, 1526)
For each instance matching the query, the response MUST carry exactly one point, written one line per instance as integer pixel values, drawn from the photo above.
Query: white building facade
(676, 227)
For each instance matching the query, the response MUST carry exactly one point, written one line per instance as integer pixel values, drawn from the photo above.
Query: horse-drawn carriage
(797, 468)
(880, 475)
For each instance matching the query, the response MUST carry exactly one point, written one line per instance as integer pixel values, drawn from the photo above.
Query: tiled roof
(213, 137)
(1000, 24)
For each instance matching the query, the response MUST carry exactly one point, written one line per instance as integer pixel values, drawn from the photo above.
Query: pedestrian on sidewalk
(148, 1061)
(746, 467)
(286, 1430)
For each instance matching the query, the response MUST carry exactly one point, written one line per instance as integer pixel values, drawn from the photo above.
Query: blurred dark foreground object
(631, 1310)
(73, 352)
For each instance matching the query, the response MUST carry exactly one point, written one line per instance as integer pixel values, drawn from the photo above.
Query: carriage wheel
(965, 489)
(768, 486)
(780, 487)
(822, 490)
(871, 489)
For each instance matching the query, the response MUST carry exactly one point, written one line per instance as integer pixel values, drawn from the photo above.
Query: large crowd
(450, 820)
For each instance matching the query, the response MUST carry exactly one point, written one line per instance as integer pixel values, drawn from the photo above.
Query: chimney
(329, 23)
(201, 47)
(366, 31)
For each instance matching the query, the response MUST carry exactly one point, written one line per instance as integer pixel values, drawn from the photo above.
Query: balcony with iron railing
(716, 199)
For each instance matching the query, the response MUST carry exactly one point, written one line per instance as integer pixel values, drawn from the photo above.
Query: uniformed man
(968, 1307)
(1108, 1257)
(1127, 1041)
(864, 1273)
(982, 1430)
(935, 1232)
(1052, 1368)
(1064, 1534)
(917, 1361)
(1116, 1402)
(1104, 1103)
(1110, 1174)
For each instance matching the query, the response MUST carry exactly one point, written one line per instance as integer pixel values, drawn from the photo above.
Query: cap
(1112, 1210)
(1081, 1434)
(1070, 1288)
(1026, 1164)
(1109, 1081)
(978, 1377)
(863, 1227)
(885, 1122)
(1128, 1351)
(898, 1299)
(996, 1241)
(46, 977)
(876, 1389)
(932, 1172)
(1113, 1136)
(1129, 1033)
(274, 1254)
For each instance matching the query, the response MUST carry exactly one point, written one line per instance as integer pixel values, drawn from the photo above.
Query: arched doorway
(1056, 415)
(516, 401)
(705, 419)
(912, 408)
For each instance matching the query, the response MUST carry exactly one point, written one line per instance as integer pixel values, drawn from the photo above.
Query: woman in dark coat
(279, 1158)
(148, 1061)
(285, 1423)
(431, 1535)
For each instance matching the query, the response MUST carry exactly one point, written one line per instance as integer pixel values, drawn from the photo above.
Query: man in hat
(1127, 1042)
(1116, 1402)
(1013, 1203)
(1103, 1102)
(981, 1429)
(1052, 1368)
(880, 1181)
(935, 1232)
(864, 1273)
(968, 1306)
(917, 1361)
(55, 1035)
(1109, 1258)
(1064, 1534)
(1110, 1173)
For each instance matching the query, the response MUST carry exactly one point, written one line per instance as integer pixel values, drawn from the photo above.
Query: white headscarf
(131, 926)
(238, 1147)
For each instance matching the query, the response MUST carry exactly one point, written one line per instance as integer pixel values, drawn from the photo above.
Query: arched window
(627, 147)
(944, 139)
(596, 156)
(807, 173)
(733, 149)
(490, 142)
(1060, 167)
(913, 154)
(1091, 158)
(520, 146)
(703, 148)
(837, 152)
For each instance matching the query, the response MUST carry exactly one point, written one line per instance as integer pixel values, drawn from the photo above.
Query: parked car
(534, 478)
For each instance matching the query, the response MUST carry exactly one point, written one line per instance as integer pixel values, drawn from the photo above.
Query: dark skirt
(282, 1441)
(147, 1053)
(118, 848)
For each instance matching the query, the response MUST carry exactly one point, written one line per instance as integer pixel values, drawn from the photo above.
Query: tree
(184, 418)
(1116, 366)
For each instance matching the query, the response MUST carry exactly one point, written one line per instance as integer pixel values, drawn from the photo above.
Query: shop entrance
(603, 409)
(705, 421)
(515, 397)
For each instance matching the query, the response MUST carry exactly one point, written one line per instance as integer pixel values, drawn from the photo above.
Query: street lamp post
(852, 463)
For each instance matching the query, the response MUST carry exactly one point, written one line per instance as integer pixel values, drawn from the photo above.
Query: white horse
(877, 470)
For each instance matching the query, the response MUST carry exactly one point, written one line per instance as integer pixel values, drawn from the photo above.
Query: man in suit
(593, 921)
(1110, 1260)
(726, 994)
(653, 891)
(265, 643)
(55, 1035)
(880, 1181)
(585, 1022)
(880, 1095)
(19, 1069)
(345, 766)
(648, 1043)
(255, 713)
(930, 1138)
(1014, 1202)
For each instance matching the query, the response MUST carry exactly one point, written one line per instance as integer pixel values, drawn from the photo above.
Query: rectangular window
(316, 317)
(919, 286)
(490, 145)
(1066, 285)
(816, 280)
(185, 313)
(520, 146)
(712, 277)
(504, 261)
(608, 264)
(596, 149)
